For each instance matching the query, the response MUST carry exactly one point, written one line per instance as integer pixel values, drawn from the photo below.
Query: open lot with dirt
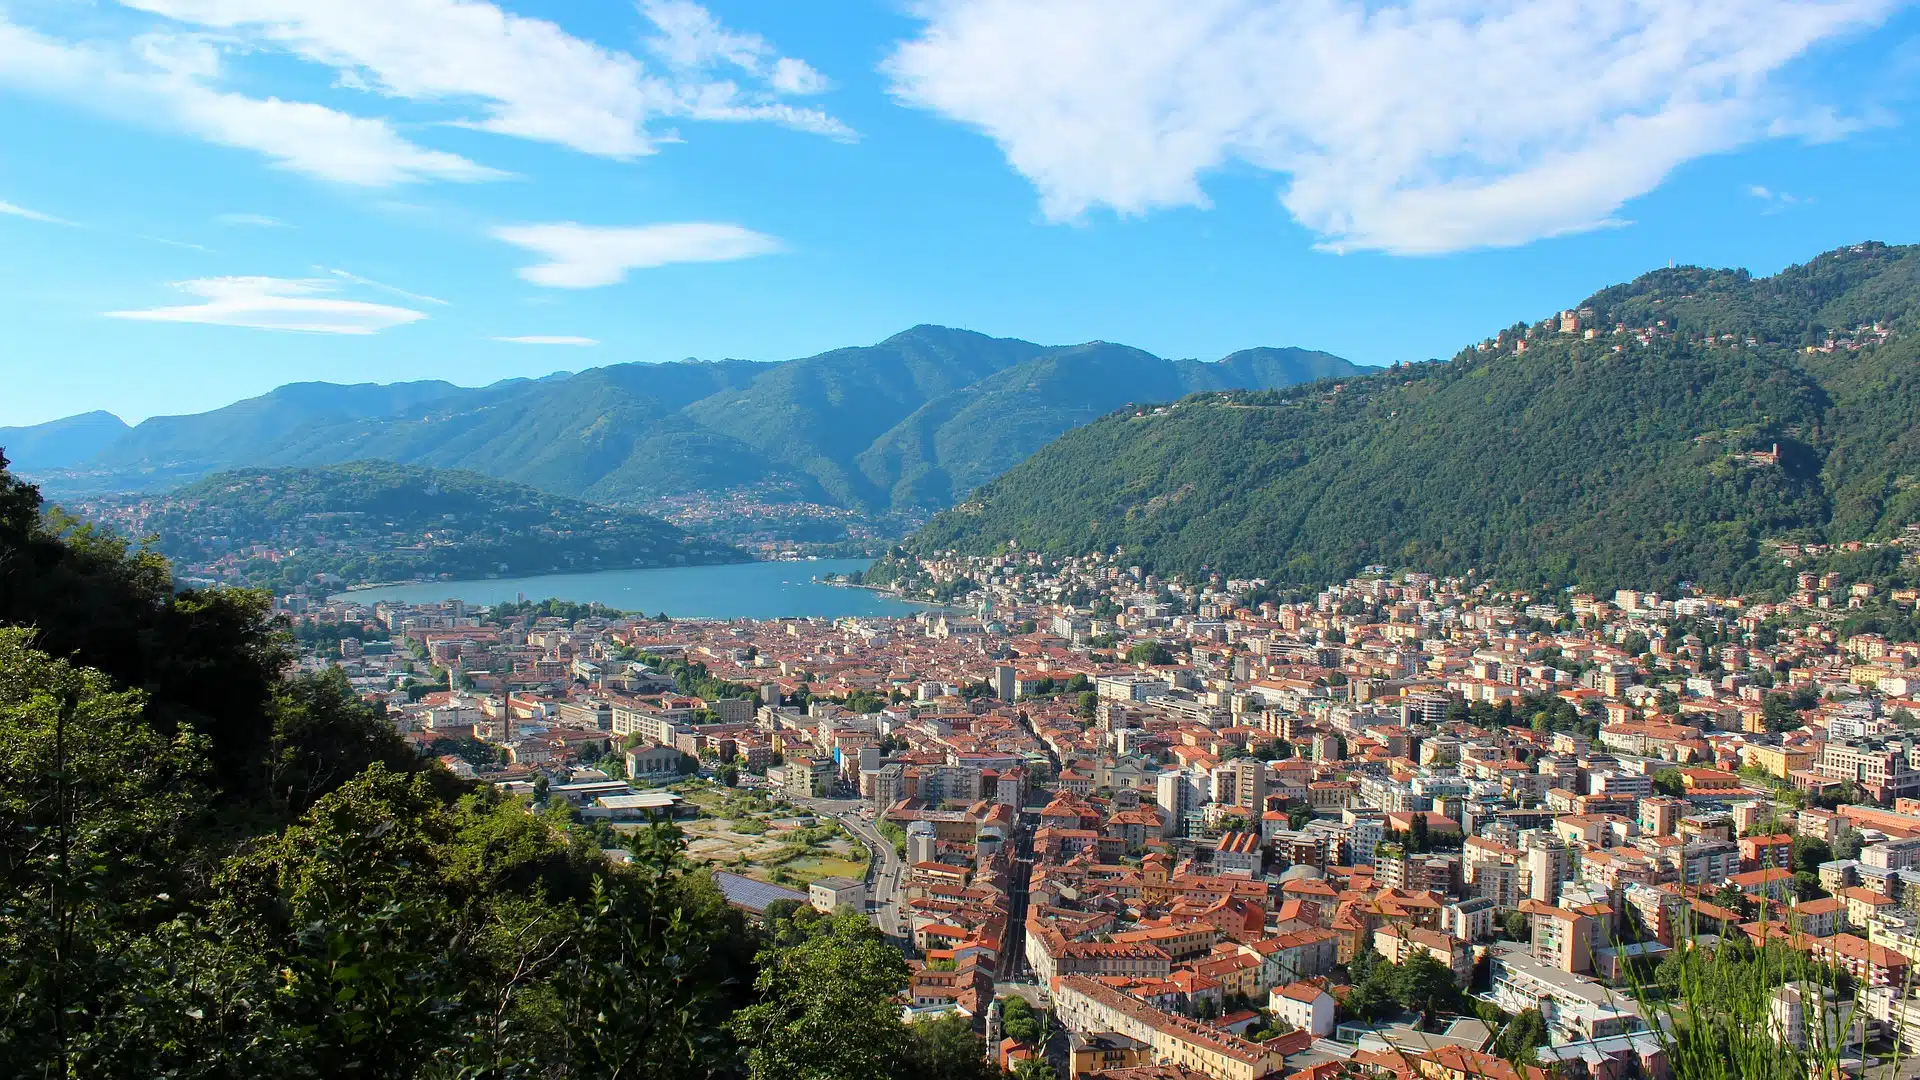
(750, 833)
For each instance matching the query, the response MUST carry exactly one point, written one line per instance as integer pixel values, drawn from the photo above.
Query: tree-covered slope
(1642, 453)
(961, 439)
(376, 521)
(838, 427)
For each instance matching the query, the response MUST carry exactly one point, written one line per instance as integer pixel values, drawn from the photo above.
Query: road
(884, 871)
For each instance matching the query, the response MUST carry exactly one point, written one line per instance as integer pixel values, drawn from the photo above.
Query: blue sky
(203, 199)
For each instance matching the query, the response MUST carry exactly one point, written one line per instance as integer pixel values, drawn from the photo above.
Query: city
(1179, 817)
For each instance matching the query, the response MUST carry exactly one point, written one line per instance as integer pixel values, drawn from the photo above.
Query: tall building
(1549, 863)
(1242, 782)
(1005, 685)
(1660, 816)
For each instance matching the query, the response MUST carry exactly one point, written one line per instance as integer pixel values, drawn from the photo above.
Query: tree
(826, 1008)
(1806, 885)
(644, 988)
(1034, 1068)
(1668, 782)
(945, 1048)
(1089, 702)
(1151, 653)
(1521, 1035)
(1518, 926)
(1298, 815)
(1424, 984)
(1809, 852)
(94, 805)
(1017, 1019)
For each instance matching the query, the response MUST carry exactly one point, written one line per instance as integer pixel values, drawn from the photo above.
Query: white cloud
(1775, 201)
(1411, 126)
(548, 339)
(588, 256)
(385, 288)
(253, 221)
(8, 209)
(267, 303)
(527, 77)
(167, 80)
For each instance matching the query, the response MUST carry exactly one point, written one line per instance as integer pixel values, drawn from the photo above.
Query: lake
(755, 590)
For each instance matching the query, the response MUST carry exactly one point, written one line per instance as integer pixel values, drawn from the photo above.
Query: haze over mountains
(1668, 430)
(912, 423)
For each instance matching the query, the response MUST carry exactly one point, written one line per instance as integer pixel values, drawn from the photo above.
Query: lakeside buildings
(1531, 790)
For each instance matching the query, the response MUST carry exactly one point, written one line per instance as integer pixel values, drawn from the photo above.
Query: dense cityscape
(1384, 826)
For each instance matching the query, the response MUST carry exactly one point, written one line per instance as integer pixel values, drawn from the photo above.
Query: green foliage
(1018, 1019)
(1565, 464)
(946, 1048)
(1667, 782)
(1520, 1036)
(1149, 652)
(692, 679)
(826, 1008)
(95, 806)
(1420, 983)
(1710, 1010)
(1518, 926)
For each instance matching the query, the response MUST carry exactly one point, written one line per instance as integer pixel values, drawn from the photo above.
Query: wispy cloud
(252, 221)
(267, 303)
(527, 77)
(548, 339)
(1775, 202)
(8, 209)
(392, 290)
(1401, 126)
(589, 256)
(172, 81)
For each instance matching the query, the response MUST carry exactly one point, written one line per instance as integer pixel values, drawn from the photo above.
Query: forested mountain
(212, 871)
(58, 444)
(1664, 430)
(965, 437)
(376, 521)
(870, 428)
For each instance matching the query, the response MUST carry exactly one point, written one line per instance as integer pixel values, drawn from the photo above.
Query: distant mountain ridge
(1664, 430)
(376, 521)
(898, 426)
(61, 443)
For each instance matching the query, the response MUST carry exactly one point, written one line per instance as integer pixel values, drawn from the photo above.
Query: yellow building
(1778, 760)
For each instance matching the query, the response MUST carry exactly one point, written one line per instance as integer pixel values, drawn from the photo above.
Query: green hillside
(1644, 454)
(376, 521)
(875, 428)
(962, 439)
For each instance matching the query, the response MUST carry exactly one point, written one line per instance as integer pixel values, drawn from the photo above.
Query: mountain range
(909, 424)
(1670, 429)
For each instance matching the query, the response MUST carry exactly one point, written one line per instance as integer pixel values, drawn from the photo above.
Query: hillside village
(1214, 829)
